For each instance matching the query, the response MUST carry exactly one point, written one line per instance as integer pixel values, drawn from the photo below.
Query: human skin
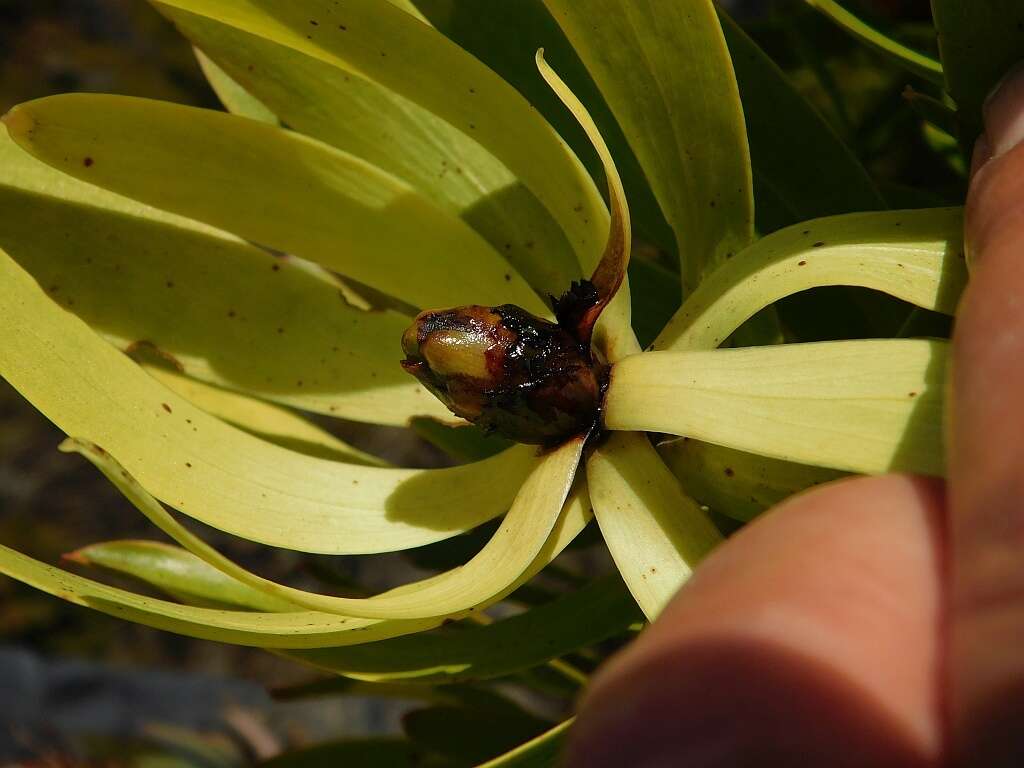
(875, 621)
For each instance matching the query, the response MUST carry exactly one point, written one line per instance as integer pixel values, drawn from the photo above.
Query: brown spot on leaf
(729, 472)
(87, 162)
(801, 263)
(166, 407)
(819, 244)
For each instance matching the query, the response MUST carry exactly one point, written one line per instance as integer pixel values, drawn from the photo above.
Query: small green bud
(505, 370)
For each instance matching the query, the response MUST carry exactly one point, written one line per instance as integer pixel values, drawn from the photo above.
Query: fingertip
(1003, 112)
(810, 638)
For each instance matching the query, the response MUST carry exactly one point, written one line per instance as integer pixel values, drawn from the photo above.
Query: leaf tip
(18, 122)
(79, 556)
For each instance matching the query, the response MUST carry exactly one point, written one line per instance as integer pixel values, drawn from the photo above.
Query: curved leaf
(504, 36)
(665, 71)
(541, 752)
(584, 617)
(218, 474)
(182, 574)
(398, 51)
(610, 271)
(319, 99)
(655, 532)
(273, 187)
(382, 43)
(178, 573)
(295, 629)
(509, 553)
(307, 629)
(265, 420)
(233, 96)
(274, 327)
(587, 616)
(913, 255)
(919, 63)
(736, 483)
(862, 406)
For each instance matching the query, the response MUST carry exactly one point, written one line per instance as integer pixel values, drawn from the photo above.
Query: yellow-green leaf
(382, 43)
(84, 245)
(232, 95)
(306, 629)
(516, 544)
(654, 531)
(264, 420)
(916, 256)
(586, 616)
(665, 71)
(861, 406)
(294, 629)
(319, 99)
(275, 188)
(178, 573)
(737, 483)
(218, 474)
(610, 272)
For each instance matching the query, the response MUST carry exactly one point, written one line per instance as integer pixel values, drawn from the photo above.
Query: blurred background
(77, 687)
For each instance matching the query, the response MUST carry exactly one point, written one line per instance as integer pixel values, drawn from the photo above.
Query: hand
(876, 621)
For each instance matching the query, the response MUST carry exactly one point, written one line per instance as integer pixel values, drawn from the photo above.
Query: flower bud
(505, 370)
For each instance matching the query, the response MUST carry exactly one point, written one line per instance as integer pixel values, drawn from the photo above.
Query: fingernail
(1004, 112)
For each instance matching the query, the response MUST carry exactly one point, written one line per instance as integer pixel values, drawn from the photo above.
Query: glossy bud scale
(505, 370)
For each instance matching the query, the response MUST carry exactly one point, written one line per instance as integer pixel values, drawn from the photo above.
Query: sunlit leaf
(610, 271)
(345, 110)
(665, 71)
(736, 483)
(399, 52)
(307, 629)
(287, 192)
(654, 531)
(233, 96)
(475, 652)
(218, 474)
(516, 544)
(382, 43)
(84, 244)
(861, 406)
(913, 255)
(178, 573)
(504, 36)
(913, 61)
(295, 629)
(264, 420)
